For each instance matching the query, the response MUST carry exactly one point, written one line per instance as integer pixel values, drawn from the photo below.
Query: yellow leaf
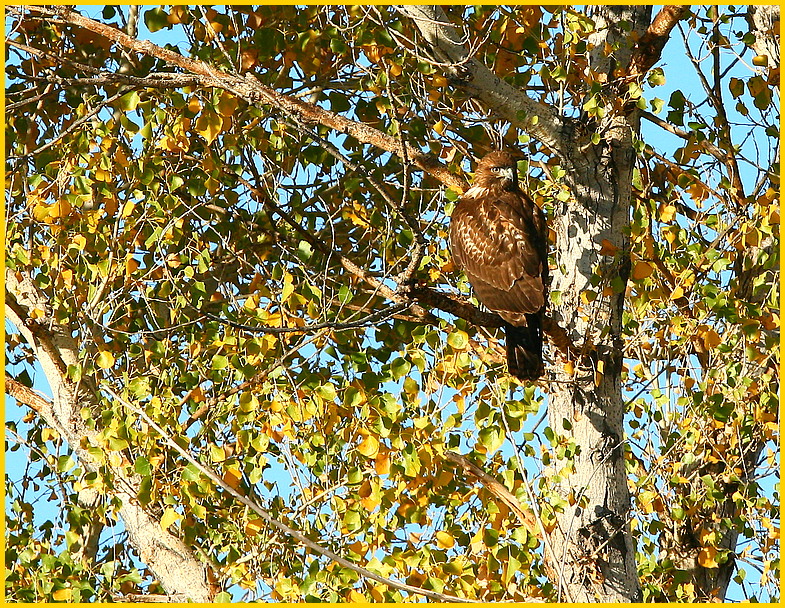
(62, 595)
(227, 105)
(253, 527)
(357, 597)
(707, 557)
(677, 293)
(68, 278)
(232, 477)
(208, 125)
(667, 213)
(40, 211)
(105, 359)
(444, 540)
(370, 502)
(79, 241)
(395, 70)
(477, 543)
(102, 175)
(439, 127)
(588, 296)
(36, 313)
(369, 447)
(128, 209)
(641, 270)
(569, 368)
(169, 517)
(48, 434)
(288, 286)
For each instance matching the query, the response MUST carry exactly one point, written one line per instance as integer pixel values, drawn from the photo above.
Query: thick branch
(537, 119)
(649, 48)
(253, 91)
(172, 562)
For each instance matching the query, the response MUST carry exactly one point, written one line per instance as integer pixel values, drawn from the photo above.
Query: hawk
(498, 237)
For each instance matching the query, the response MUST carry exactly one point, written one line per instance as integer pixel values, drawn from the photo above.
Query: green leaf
(219, 362)
(129, 101)
(458, 339)
(400, 367)
(156, 19)
(142, 467)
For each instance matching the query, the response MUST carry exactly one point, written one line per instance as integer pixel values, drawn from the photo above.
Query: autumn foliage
(246, 272)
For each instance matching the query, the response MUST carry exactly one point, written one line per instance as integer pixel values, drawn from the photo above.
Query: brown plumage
(498, 237)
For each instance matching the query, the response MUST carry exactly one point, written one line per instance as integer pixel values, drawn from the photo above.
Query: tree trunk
(586, 408)
(181, 574)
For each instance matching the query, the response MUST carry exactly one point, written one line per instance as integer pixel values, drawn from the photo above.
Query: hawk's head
(497, 171)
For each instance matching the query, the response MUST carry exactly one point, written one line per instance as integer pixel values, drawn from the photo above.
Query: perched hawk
(499, 239)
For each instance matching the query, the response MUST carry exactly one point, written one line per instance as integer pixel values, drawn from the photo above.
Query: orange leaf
(641, 270)
(60, 209)
(253, 527)
(608, 248)
(711, 339)
(232, 477)
(382, 464)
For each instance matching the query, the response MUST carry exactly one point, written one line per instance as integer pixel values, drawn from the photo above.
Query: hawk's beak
(510, 174)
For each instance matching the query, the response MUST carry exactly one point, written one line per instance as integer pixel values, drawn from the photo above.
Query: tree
(227, 256)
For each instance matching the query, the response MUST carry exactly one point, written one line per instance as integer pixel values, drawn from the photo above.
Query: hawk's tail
(524, 349)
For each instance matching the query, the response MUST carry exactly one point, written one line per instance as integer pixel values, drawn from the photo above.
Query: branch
(167, 557)
(537, 119)
(253, 91)
(649, 47)
(373, 318)
(525, 516)
(705, 144)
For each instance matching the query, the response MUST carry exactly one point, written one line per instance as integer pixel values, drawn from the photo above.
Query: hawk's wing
(499, 242)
